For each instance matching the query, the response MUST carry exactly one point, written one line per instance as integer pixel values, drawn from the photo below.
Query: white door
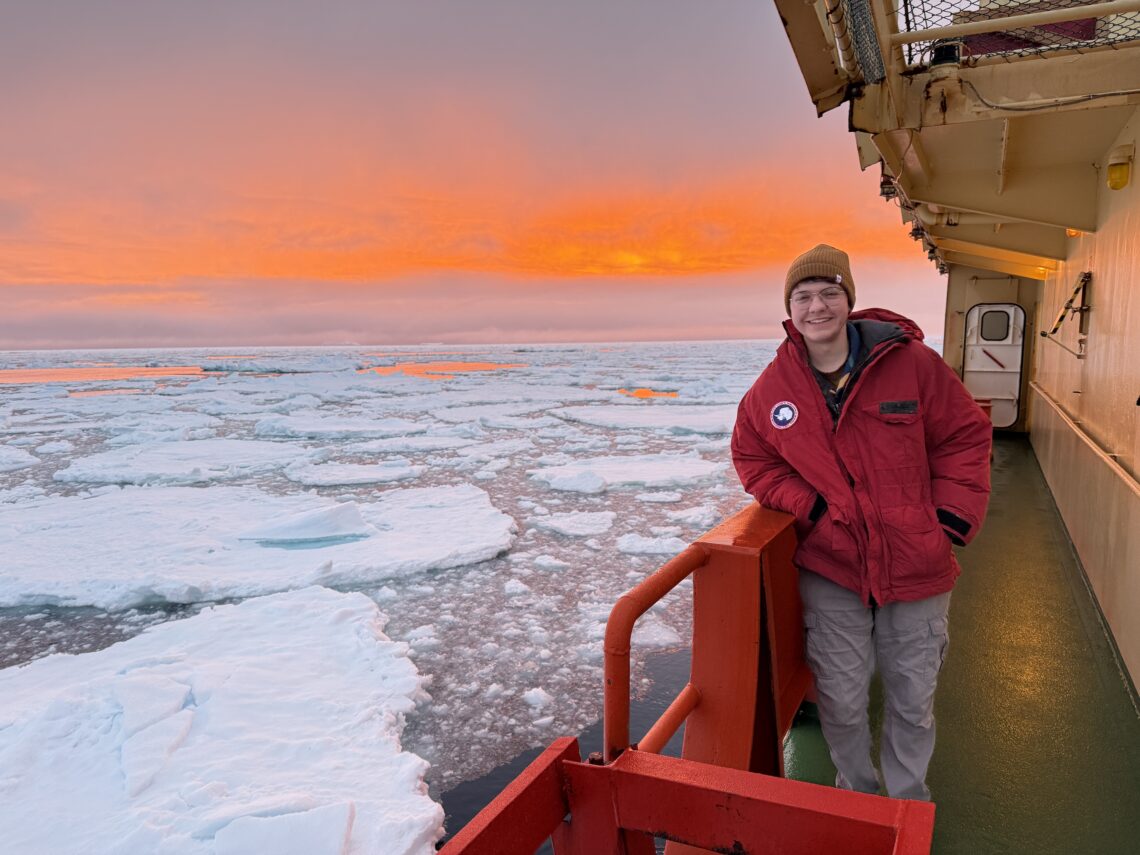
(991, 367)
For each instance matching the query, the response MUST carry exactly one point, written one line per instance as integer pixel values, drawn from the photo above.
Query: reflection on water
(440, 370)
(93, 373)
(647, 393)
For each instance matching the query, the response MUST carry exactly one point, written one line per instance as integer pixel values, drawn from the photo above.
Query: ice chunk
(663, 496)
(537, 698)
(289, 740)
(595, 475)
(12, 458)
(343, 474)
(672, 417)
(575, 523)
(636, 544)
(702, 516)
(549, 562)
(169, 463)
(180, 544)
(336, 522)
(317, 425)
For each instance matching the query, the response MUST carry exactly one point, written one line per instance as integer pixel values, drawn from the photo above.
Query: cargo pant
(844, 640)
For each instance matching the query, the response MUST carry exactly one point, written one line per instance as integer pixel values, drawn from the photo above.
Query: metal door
(991, 364)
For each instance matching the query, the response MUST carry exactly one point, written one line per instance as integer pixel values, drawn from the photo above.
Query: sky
(277, 172)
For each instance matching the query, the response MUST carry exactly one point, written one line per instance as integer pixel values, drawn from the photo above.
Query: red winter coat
(903, 472)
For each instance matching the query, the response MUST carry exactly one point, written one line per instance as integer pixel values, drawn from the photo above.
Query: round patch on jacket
(784, 415)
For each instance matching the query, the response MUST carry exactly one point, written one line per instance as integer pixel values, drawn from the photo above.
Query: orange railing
(748, 673)
(747, 679)
(619, 634)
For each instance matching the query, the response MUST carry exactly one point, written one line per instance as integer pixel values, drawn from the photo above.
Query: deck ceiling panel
(1041, 241)
(996, 265)
(1036, 140)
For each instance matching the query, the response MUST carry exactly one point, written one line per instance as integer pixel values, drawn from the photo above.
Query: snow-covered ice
(269, 726)
(194, 462)
(597, 474)
(575, 523)
(333, 474)
(136, 545)
(12, 459)
(676, 418)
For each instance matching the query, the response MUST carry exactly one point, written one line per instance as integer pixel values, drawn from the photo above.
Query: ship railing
(747, 679)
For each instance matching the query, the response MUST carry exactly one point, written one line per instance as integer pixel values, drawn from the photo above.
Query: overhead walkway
(1038, 732)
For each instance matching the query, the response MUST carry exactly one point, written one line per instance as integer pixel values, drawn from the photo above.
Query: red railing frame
(748, 678)
(747, 647)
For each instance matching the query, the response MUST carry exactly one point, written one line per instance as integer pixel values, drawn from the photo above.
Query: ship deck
(1038, 731)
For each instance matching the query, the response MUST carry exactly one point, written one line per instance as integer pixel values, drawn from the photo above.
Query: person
(870, 440)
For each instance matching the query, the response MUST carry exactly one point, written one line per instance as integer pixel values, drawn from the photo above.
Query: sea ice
(316, 425)
(702, 516)
(340, 474)
(269, 726)
(131, 546)
(636, 544)
(12, 459)
(170, 463)
(575, 523)
(676, 418)
(595, 475)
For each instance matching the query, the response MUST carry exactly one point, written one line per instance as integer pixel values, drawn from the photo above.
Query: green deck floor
(1038, 734)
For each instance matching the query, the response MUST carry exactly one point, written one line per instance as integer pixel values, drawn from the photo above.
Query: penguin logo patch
(784, 415)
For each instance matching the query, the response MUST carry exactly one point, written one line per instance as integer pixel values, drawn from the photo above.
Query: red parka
(903, 471)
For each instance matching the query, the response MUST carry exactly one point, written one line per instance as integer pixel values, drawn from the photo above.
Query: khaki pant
(845, 640)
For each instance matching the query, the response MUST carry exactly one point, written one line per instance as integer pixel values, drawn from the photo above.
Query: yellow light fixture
(1073, 232)
(1120, 166)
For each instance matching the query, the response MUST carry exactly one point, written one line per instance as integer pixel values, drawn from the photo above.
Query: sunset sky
(386, 172)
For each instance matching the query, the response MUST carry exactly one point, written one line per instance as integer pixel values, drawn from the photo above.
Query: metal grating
(914, 16)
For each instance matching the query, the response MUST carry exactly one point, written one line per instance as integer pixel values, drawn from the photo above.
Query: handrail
(619, 632)
(671, 720)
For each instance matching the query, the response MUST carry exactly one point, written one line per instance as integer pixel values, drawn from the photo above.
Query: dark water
(668, 673)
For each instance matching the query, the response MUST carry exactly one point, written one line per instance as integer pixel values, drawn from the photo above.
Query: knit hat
(825, 263)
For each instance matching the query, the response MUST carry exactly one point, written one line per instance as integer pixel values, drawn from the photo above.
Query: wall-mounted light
(1073, 232)
(1120, 166)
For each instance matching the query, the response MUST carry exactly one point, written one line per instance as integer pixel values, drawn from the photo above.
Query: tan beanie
(825, 263)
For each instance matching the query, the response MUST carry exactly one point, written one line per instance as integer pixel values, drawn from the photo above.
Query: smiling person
(871, 441)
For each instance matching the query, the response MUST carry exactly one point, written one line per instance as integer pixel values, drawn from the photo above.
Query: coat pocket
(918, 548)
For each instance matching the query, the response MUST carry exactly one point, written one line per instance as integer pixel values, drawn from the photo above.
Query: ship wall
(1085, 414)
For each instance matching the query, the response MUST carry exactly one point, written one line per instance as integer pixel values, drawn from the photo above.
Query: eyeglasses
(831, 296)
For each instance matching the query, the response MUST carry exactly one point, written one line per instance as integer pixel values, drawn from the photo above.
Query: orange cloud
(743, 224)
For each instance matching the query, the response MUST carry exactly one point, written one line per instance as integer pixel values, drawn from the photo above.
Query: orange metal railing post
(619, 631)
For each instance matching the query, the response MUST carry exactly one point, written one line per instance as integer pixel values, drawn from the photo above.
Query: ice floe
(676, 418)
(575, 523)
(597, 474)
(316, 425)
(180, 544)
(170, 463)
(340, 474)
(12, 459)
(269, 726)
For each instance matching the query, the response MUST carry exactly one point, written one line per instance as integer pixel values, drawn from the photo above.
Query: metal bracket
(1081, 312)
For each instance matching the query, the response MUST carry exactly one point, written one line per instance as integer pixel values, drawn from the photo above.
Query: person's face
(819, 311)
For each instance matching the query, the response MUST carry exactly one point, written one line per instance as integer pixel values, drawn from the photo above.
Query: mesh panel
(864, 39)
(918, 15)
